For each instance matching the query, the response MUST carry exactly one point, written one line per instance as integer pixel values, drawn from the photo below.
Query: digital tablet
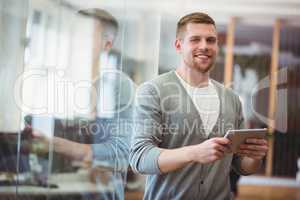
(238, 137)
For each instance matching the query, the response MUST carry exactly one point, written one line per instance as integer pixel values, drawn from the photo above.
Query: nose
(203, 45)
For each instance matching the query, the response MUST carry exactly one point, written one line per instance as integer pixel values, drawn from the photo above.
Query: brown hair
(109, 22)
(196, 17)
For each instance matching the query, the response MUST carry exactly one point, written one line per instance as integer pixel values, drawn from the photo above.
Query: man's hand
(210, 150)
(40, 142)
(36, 141)
(205, 152)
(254, 148)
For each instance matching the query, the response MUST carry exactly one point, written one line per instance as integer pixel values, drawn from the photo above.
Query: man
(106, 152)
(181, 119)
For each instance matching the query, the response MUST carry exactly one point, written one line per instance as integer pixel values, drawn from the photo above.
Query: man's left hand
(254, 148)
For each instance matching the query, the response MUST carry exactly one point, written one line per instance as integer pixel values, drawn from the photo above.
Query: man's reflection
(100, 145)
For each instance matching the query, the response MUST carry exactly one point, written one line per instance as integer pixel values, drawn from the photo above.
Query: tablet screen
(238, 137)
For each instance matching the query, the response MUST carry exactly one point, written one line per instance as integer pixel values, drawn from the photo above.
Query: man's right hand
(210, 150)
(38, 142)
(205, 152)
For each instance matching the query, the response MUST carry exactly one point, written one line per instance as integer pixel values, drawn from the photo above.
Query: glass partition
(13, 16)
(70, 71)
(73, 109)
(252, 59)
(287, 138)
(251, 67)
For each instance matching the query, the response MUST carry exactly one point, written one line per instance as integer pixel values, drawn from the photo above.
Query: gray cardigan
(165, 117)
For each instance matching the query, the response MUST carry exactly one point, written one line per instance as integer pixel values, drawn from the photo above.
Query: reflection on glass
(12, 39)
(76, 105)
(252, 58)
(12, 34)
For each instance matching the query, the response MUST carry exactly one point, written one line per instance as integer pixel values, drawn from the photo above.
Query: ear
(178, 45)
(108, 45)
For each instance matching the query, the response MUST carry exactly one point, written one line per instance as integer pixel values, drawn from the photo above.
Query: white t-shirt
(206, 101)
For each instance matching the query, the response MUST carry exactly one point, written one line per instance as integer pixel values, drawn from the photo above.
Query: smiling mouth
(202, 56)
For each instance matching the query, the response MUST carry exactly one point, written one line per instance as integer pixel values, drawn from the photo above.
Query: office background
(46, 39)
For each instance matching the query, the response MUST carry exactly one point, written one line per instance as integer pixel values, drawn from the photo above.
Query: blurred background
(48, 64)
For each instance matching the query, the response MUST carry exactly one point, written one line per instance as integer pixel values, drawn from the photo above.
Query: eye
(195, 40)
(211, 40)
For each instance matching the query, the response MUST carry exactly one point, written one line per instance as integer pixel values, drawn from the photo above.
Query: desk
(265, 188)
(69, 184)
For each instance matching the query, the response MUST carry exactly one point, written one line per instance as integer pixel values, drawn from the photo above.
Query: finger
(256, 141)
(222, 148)
(254, 147)
(252, 153)
(221, 140)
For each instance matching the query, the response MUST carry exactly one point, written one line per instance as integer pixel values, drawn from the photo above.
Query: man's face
(198, 46)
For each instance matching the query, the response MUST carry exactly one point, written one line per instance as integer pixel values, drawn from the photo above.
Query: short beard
(204, 71)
